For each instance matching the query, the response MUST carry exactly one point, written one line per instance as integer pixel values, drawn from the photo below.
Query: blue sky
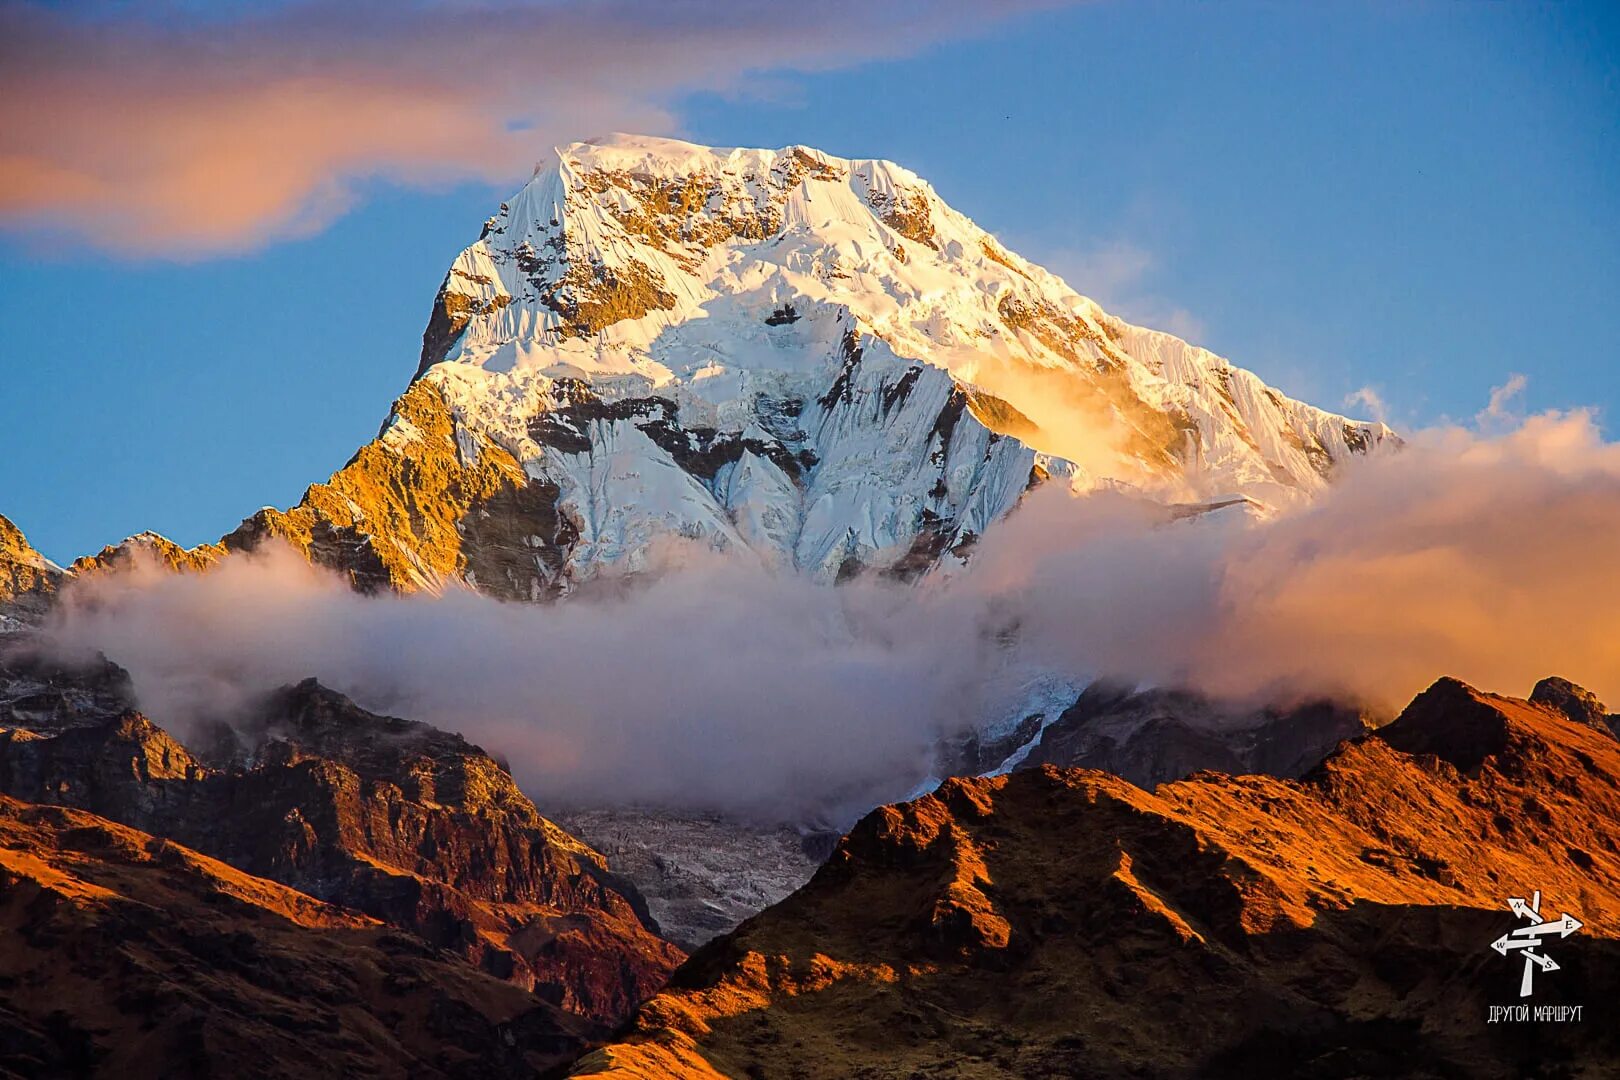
(1421, 199)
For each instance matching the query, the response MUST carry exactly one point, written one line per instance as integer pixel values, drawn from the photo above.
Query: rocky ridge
(410, 825)
(1575, 702)
(1152, 736)
(1062, 922)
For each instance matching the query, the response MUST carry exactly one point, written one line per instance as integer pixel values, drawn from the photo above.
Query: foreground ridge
(409, 825)
(1065, 923)
(129, 955)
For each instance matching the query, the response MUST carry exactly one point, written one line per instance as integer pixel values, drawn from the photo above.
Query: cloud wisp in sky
(186, 133)
(1368, 398)
(716, 684)
(1499, 411)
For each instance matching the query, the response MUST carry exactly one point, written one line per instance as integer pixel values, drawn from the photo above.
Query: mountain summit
(777, 352)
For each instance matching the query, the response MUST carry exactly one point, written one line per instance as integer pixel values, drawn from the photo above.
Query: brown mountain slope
(125, 955)
(424, 503)
(395, 819)
(1064, 923)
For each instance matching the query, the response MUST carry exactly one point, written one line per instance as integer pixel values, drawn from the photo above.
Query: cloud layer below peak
(716, 684)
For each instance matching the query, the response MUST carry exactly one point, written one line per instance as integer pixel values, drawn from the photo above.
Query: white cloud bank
(1494, 558)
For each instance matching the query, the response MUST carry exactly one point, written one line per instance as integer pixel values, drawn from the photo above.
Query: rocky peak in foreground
(407, 824)
(1575, 702)
(1062, 922)
(703, 874)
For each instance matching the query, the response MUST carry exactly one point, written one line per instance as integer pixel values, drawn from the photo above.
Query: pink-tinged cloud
(193, 135)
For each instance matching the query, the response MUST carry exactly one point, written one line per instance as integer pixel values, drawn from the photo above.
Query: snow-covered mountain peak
(645, 264)
(804, 357)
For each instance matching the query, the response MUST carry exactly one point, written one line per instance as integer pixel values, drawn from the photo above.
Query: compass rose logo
(1528, 939)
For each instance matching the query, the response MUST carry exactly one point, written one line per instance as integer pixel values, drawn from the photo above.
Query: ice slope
(621, 328)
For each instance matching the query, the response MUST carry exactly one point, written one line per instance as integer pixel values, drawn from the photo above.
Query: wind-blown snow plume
(714, 683)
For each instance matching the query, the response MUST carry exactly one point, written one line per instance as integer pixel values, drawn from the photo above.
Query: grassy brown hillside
(127, 955)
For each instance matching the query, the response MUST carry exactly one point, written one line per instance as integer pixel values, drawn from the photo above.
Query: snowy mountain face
(818, 361)
(791, 356)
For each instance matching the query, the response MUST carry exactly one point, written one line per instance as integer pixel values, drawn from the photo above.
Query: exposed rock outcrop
(1575, 702)
(27, 578)
(149, 549)
(1062, 922)
(425, 503)
(43, 693)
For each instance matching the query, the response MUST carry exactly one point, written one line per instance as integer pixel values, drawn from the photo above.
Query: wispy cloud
(1498, 410)
(1371, 400)
(185, 131)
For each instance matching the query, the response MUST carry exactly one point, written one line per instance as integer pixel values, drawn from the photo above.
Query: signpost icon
(1529, 939)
